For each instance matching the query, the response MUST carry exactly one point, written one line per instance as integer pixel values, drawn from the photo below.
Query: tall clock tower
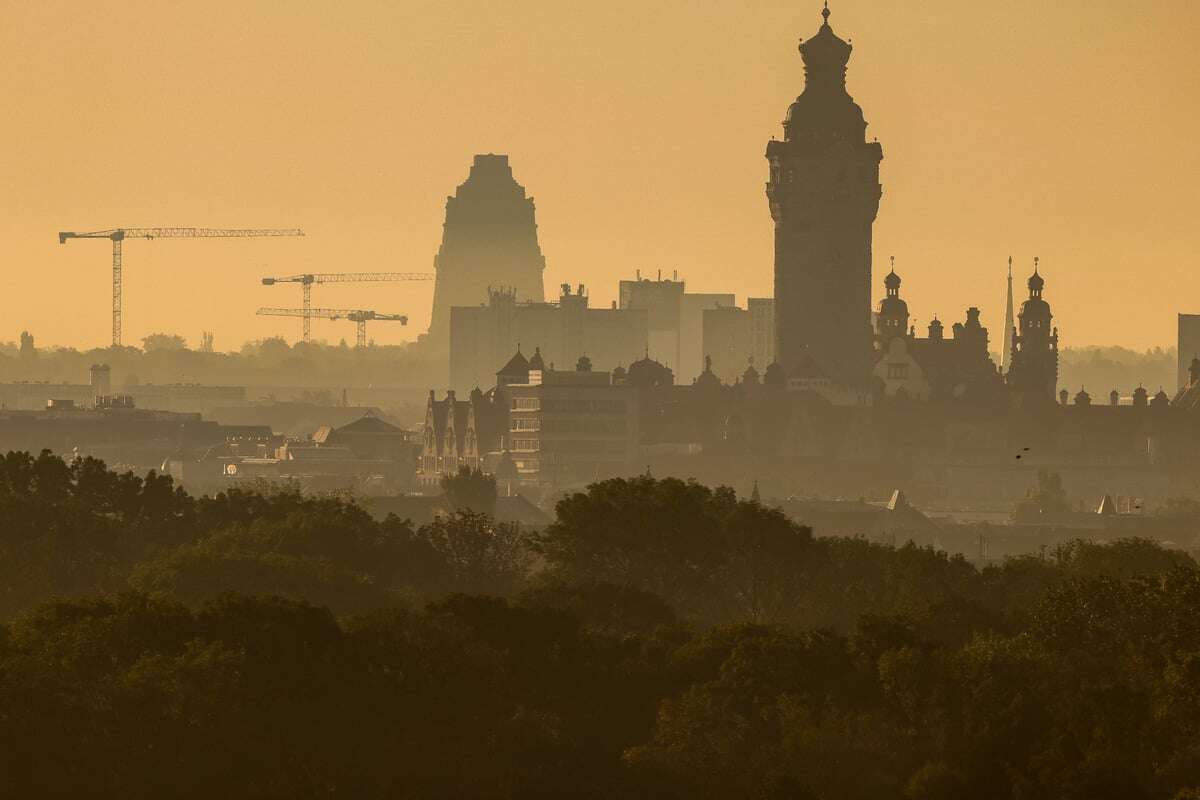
(824, 194)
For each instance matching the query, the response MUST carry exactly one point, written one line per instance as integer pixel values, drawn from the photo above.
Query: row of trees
(166, 358)
(660, 639)
(1102, 369)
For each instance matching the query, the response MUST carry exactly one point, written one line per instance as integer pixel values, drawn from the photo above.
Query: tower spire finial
(1010, 266)
(1036, 262)
(825, 12)
(893, 265)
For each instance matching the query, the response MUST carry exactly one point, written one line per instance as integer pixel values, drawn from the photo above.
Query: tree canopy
(660, 640)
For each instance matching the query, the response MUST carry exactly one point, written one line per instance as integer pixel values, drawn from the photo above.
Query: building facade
(762, 330)
(675, 319)
(485, 335)
(727, 342)
(1188, 347)
(935, 367)
(570, 428)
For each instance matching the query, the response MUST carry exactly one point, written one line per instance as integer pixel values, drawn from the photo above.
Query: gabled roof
(369, 423)
(518, 364)
(442, 411)
(808, 369)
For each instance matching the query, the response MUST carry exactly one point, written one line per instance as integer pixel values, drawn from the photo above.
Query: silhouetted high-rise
(824, 194)
(489, 241)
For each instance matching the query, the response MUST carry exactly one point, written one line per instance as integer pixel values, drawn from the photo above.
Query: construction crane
(355, 315)
(118, 235)
(306, 283)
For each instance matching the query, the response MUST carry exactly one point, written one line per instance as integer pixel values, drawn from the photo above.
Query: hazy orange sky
(1060, 129)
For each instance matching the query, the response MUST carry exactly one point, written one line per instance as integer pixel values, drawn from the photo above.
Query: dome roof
(825, 112)
(1036, 282)
(813, 117)
(648, 372)
(707, 378)
(892, 281)
(826, 50)
(1035, 306)
(893, 306)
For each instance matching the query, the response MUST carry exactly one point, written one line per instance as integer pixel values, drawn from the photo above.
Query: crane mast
(360, 317)
(118, 235)
(307, 280)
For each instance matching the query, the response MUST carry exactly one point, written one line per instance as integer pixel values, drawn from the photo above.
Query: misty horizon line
(14, 344)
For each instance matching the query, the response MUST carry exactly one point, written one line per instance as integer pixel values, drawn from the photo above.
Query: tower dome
(1036, 308)
(893, 311)
(1036, 281)
(824, 112)
(892, 282)
(826, 54)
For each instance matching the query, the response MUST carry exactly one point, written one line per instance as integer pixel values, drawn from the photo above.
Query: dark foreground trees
(475, 697)
(660, 640)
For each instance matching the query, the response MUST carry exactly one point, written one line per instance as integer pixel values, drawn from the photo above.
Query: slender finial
(1036, 261)
(893, 265)
(825, 12)
(1010, 266)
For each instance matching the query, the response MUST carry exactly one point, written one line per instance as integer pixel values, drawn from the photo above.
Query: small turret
(1033, 370)
(893, 312)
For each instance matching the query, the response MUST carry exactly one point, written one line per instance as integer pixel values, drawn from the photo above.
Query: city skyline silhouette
(1022, 129)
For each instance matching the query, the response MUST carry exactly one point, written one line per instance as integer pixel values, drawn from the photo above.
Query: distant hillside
(1102, 369)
